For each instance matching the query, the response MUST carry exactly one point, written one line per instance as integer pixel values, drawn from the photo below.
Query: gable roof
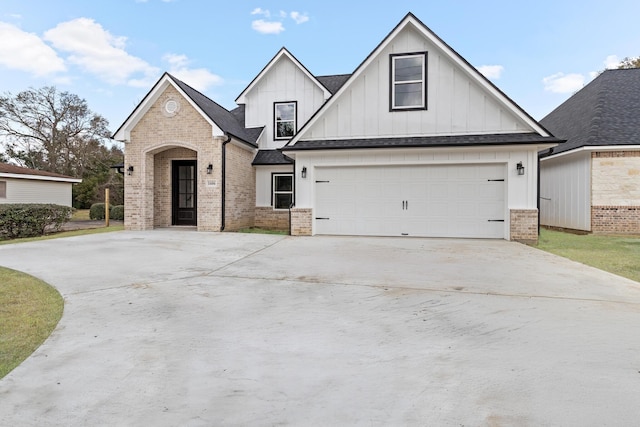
(604, 112)
(333, 83)
(283, 52)
(474, 74)
(13, 171)
(221, 119)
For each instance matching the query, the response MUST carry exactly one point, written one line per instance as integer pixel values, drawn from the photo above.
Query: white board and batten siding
(37, 191)
(284, 82)
(565, 191)
(456, 103)
(264, 182)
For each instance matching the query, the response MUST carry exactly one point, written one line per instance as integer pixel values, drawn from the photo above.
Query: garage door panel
(434, 200)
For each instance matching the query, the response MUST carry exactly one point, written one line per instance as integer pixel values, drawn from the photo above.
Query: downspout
(293, 203)
(538, 195)
(223, 180)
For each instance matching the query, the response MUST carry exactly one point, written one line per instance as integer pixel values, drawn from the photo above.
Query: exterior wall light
(304, 172)
(130, 170)
(520, 168)
(209, 169)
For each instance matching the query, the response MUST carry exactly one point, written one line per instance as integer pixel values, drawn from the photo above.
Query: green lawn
(615, 254)
(29, 311)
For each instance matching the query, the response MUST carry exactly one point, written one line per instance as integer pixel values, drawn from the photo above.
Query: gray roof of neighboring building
(225, 119)
(271, 157)
(425, 141)
(333, 83)
(604, 112)
(19, 170)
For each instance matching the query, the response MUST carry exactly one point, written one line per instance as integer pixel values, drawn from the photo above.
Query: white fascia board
(592, 148)
(124, 132)
(39, 177)
(282, 52)
(454, 56)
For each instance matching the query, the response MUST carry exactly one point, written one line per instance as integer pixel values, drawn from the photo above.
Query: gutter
(223, 180)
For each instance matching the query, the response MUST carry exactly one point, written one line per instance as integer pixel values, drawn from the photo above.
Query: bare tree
(629, 62)
(50, 130)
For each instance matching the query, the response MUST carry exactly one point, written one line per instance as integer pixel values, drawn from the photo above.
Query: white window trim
(276, 121)
(423, 81)
(274, 192)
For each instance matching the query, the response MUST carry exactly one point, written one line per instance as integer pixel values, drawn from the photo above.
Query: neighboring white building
(24, 185)
(414, 142)
(592, 182)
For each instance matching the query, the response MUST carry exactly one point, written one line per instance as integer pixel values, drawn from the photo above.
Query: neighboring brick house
(592, 182)
(25, 185)
(414, 142)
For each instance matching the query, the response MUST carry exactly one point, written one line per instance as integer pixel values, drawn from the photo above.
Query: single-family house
(24, 185)
(592, 182)
(414, 142)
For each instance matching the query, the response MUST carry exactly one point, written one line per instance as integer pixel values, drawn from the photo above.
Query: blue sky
(111, 52)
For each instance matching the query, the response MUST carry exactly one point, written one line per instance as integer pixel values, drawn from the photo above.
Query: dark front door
(184, 192)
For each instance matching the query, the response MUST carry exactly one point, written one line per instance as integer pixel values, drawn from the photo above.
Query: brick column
(301, 221)
(524, 225)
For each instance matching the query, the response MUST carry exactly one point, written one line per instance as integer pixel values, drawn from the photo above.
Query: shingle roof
(222, 117)
(604, 112)
(18, 170)
(271, 157)
(333, 83)
(425, 141)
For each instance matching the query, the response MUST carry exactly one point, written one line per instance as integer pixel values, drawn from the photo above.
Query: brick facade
(615, 192)
(524, 225)
(240, 188)
(301, 222)
(615, 219)
(157, 139)
(271, 219)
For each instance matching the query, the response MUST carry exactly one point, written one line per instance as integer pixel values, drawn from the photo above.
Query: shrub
(29, 220)
(96, 211)
(117, 212)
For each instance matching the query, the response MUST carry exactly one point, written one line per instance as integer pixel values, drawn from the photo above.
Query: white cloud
(267, 27)
(24, 51)
(260, 11)
(563, 83)
(299, 17)
(198, 78)
(99, 52)
(491, 71)
(611, 62)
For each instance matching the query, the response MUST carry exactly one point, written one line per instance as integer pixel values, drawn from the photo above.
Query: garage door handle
(495, 220)
(495, 180)
(321, 218)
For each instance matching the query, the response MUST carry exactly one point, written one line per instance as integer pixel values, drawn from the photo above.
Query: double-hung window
(284, 114)
(282, 190)
(3, 189)
(408, 81)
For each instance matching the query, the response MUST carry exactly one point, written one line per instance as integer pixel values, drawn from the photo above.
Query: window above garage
(285, 115)
(408, 84)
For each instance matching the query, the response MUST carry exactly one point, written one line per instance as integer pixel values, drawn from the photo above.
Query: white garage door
(428, 201)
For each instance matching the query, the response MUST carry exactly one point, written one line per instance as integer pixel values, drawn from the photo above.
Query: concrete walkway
(180, 328)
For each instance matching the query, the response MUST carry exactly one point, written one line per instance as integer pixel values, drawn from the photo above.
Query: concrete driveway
(178, 328)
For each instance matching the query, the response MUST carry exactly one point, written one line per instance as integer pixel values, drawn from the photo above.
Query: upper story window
(408, 81)
(284, 119)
